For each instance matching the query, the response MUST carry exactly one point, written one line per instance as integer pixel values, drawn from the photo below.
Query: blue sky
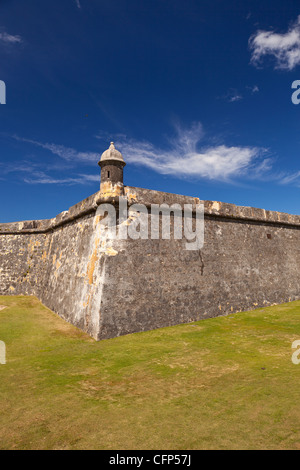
(196, 95)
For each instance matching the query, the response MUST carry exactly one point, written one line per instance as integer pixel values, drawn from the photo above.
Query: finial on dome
(111, 154)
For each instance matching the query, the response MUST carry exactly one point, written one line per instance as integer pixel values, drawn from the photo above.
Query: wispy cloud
(285, 48)
(254, 89)
(43, 178)
(9, 38)
(107, 136)
(233, 95)
(34, 173)
(234, 98)
(66, 153)
(293, 179)
(184, 158)
(78, 4)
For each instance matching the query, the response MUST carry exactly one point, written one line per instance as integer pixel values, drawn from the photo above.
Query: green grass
(223, 383)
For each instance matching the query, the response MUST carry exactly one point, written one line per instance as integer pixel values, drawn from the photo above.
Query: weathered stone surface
(108, 287)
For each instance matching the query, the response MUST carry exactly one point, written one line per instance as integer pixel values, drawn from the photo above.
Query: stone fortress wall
(108, 288)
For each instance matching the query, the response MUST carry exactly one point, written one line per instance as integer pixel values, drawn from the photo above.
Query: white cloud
(233, 95)
(43, 178)
(183, 159)
(66, 153)
(33, 173)
(285, 48)
(9, 38)
(293, 178)
(234, 98)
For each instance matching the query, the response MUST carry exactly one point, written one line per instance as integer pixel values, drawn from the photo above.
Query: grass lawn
(223, 383)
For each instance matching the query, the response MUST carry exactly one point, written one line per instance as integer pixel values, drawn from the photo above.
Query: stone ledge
(147, 197)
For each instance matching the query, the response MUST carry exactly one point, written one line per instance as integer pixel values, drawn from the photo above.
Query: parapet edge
(147, 197)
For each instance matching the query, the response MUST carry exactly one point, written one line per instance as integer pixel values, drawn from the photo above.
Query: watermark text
(296, 354)
(2, 92)
(296, 94)
(2, 353)
(159, 221)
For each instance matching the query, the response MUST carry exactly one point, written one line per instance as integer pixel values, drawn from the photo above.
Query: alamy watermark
(2, 92)
(124, 223)
(2, 353)
(296, 95)
(296, 354)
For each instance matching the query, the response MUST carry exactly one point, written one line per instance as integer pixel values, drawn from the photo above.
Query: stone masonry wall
(109, 287)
